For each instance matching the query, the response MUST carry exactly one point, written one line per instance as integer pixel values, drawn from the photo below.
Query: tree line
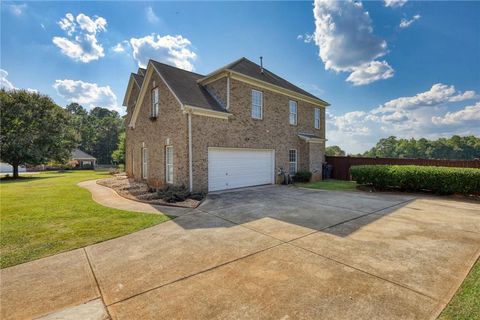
(35, 130)
(453, 148)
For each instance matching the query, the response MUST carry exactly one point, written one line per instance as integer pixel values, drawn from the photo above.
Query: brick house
(235, 127)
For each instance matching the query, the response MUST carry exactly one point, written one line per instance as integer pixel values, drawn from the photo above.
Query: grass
(465, 304)
(330, 184)
(47, 213)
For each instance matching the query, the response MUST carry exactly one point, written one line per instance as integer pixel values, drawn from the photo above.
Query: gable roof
(79, 154)
(192, 95)
(253, 70)
(185, 86)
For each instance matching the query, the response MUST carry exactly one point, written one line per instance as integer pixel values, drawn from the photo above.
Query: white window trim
(144, 163)
(290, 162)
(315, 112)
(290, 112)
(261, 105)
(155, 107)
(167, 165)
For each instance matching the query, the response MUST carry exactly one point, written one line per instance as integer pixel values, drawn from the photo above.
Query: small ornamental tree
(33, 129)
(118, 155)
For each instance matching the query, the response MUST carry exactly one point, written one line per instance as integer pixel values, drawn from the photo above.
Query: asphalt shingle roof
(184, 84)
(251, 69)
(79, 154)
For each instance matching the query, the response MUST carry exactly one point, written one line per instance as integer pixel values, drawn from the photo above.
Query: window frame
(144, 159)
(254, 105)
(315, 119)
(290, 114)
(155, 107)
(168, 164)
(292, 162)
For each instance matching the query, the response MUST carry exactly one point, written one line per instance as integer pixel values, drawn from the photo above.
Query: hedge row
(441, 180)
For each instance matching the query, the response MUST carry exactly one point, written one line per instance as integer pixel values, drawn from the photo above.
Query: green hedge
(441, 180)
(302, 176)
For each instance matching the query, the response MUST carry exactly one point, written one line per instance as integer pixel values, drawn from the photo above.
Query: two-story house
(235, 127)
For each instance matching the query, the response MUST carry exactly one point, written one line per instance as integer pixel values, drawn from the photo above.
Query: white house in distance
(6, 168)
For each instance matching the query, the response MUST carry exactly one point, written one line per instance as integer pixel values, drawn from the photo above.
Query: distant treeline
(98, 132)
(453, 148)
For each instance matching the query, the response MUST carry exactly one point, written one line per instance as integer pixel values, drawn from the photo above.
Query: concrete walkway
(264, 253)
(109, 198)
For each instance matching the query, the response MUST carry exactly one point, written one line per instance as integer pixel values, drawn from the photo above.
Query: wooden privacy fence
(341, 165)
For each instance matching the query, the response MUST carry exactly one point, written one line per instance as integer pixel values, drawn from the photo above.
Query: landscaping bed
(140, 191)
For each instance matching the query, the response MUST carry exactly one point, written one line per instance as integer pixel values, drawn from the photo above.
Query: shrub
(177, 194)
(302, 176)
(441, 180)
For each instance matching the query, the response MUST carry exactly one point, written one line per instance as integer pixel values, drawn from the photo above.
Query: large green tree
(334, 151)
(98, 131)
(33, 129)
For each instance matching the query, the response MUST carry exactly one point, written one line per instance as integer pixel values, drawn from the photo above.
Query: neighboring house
(83, 160)
(235, 127)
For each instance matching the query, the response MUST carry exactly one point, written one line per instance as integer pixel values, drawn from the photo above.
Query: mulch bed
(139, 191)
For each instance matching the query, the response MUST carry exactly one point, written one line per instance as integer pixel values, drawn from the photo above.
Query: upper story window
(257, 104)
(293, 112)
(317, 118)
(155, 102)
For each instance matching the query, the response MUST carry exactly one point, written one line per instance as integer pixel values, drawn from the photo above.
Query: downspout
(228, 91)
(190, 170)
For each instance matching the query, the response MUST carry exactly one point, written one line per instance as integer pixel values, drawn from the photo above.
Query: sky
(393, 67)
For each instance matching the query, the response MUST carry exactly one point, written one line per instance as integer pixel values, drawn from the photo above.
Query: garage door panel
(235, 168)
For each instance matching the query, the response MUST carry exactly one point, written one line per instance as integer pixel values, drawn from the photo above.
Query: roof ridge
(168, 65)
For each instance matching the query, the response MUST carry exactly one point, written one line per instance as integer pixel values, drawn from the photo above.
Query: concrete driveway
(269, 252)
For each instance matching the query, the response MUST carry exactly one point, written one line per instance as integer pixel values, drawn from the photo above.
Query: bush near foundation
(441, 180)
(302, 176)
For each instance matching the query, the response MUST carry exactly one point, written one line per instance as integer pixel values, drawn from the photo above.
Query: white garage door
(236, 168)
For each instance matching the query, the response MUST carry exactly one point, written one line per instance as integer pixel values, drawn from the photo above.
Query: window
(317, 118)
(155, 102)
(292, 158)
(144, 163)
(293, 112)
(169, 164)
(257, 104)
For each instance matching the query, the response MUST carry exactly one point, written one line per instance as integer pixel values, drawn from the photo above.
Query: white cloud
(82, 44)
(307, 38)
(120, 47)
(17, 9)
(4, 82)
(370, 72)
(175, 50)
(88, 94)
(151, 16)
(42, 25)
(404, 23)
(426, 114)
(394, 3)
(344, 35)
(438, 94)
(467, 114)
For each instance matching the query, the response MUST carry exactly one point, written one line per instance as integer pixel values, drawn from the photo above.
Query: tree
(118, 155)
(33, 129)
(97, 131)
(455, 147)
(334, 151)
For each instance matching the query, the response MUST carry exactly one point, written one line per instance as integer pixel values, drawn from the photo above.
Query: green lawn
(465, 304)
(48, 213)
(330, 184)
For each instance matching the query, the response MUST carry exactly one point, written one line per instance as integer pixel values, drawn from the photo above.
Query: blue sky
(394, 67)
